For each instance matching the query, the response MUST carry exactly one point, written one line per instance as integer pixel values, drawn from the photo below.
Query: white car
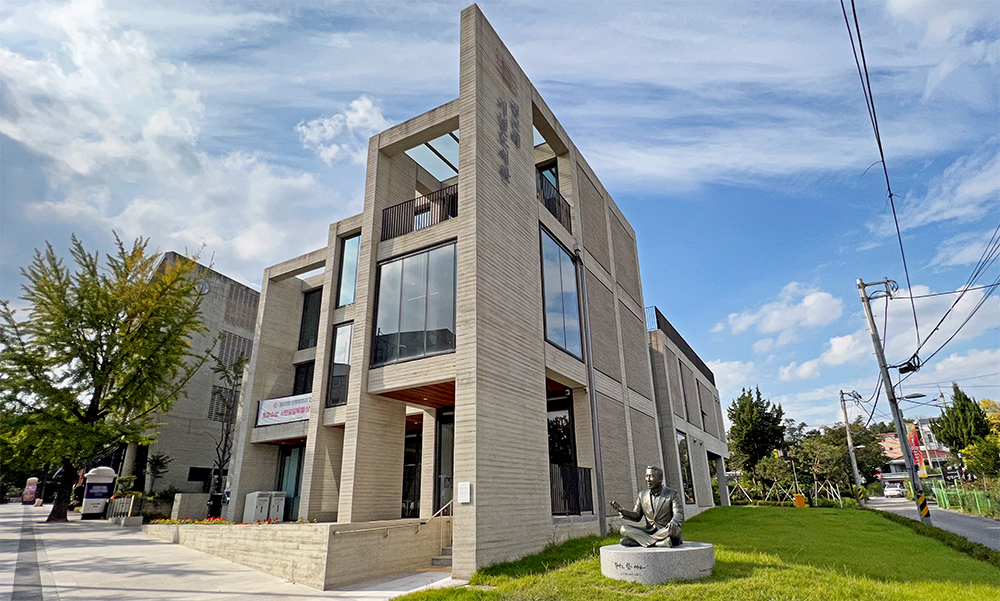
(893, 489)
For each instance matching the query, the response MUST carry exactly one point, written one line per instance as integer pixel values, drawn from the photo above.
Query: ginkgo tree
(103, 346)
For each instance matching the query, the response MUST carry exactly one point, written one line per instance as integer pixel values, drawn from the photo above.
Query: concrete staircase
(443, 560)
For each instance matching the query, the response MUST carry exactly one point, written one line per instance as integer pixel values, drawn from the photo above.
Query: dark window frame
(312, 377)
(333, 357)
(303, 341)
(372, 364)
(340, 269)
(560, 402)
(542, 230)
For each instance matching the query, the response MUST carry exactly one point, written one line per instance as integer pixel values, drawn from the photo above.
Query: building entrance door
(411, 467)
(444, 453)
(290, 479)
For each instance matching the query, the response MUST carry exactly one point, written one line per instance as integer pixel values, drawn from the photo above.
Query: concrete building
(445, 351)
(187, 433)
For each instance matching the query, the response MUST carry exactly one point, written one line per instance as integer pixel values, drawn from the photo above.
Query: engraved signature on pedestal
(629, 566)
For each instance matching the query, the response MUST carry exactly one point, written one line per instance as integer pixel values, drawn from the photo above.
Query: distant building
(187, 433)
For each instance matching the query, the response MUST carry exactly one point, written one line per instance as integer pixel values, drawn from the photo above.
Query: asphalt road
(977, 529)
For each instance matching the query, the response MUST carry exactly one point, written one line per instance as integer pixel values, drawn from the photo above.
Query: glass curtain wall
(562, 302)
(686, 480)
(415, 316)
(340, 365)
(347, 286)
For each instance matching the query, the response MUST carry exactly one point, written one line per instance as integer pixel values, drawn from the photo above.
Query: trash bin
(100, 482)
(800, 500)
(277, 510)
(257, 506)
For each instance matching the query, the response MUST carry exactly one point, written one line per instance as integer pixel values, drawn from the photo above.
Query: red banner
(918, 459)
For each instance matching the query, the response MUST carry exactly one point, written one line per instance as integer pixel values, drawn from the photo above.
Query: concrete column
(371, 482)
(720, 471)
(428, 444)
(128, 463)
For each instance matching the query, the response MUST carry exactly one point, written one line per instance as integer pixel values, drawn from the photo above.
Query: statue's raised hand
(616, 506)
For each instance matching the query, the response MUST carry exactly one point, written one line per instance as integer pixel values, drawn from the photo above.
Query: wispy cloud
(344, 135)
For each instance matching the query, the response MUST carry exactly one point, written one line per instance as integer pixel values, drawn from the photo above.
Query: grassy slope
(761, 553)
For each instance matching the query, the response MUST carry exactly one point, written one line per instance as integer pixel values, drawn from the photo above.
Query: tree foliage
(101, 349)
(757, 428)
(961, 424)
(982, 458)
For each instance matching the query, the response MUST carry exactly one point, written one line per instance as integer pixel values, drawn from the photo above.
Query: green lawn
(761, 553)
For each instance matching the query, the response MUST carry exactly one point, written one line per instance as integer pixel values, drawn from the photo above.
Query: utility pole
(890, 393)
(850, 449)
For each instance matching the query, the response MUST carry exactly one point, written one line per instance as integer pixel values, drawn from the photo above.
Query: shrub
(960, 543)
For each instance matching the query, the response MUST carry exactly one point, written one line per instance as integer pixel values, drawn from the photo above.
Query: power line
(866, 87)
(962, 291)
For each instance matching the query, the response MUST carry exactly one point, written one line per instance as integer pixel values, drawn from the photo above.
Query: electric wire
(951, 292)
(866, 87)
(990, 253)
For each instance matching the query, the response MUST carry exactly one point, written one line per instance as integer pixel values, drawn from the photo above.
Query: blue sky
(733, 136)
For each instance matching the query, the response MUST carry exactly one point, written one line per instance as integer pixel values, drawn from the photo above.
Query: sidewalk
(977, 529)
(97, 560)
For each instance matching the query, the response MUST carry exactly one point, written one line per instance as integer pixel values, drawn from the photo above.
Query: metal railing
(124, 507)
(572, 493)
(423, 211)
(549, 196)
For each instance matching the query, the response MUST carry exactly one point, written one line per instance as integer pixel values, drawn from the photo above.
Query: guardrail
(124, 507)
(976, 502)
(549, 196)
(571, 490)
(422, 211)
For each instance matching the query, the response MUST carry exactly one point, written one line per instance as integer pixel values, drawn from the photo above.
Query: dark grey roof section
(656, 321)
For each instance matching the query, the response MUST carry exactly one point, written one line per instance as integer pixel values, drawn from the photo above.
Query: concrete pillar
(720, 471)
(371, 482)
(428, 445)
(128, 463)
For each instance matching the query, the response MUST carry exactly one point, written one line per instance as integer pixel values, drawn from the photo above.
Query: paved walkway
(97, 560)
(975, 528)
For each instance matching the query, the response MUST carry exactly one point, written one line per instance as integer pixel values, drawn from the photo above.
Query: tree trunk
(60, 505)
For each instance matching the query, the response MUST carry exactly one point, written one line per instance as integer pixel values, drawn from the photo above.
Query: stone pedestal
(652, 565)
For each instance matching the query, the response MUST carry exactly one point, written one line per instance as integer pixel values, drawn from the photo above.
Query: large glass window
(416, 306)
(686, 481)
(347, 287)
(340, 365)
(309, 328)
(562, 308)
(303, 378)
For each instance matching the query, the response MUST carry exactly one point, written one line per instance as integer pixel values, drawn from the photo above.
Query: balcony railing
(549, 196)
(572, 493)
(421, 212)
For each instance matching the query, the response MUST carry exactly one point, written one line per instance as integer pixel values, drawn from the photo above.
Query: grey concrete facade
(689, 409)
(187, 433)
(503, 369)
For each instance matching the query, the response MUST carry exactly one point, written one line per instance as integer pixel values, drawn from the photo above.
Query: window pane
(387, 321)
(340, 366)
(552, 289)
(303, 378)
(441, 299)
(348, 270)
(310, 318)
(571, 307)
(413, 310)
(687, 482)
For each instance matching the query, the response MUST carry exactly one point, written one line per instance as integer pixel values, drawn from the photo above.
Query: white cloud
(794, 371)
(117, 129)
(763, 345)
(344, 134)
(847, 349)
(961, 249)
(966, 191)
(797, 306)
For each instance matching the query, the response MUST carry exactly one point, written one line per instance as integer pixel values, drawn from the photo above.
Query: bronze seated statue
(657, 517)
